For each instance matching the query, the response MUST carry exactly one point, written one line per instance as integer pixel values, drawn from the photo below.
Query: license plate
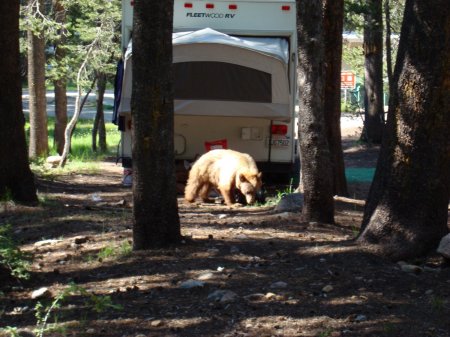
(284, 142)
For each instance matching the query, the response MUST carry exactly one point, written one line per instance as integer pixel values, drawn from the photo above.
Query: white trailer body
(235, 79)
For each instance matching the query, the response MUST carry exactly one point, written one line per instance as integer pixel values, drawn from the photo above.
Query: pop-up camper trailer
(235, 80)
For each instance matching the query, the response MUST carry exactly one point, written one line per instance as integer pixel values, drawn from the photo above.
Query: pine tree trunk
(387, 15)
(333, 25)
(60, 114)
(99, 120)
(373, 84)
(60, 84)
(16, 178)
(317, 177)
(36, 85)
(406, 212)
(155, 208)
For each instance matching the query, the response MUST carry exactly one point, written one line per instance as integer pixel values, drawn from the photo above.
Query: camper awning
(222, 75)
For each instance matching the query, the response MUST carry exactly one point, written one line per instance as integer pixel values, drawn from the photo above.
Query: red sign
(348, 80)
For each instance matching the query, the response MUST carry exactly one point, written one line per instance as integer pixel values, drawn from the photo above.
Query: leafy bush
(15, 261)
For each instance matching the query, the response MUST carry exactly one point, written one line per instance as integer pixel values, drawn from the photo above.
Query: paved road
(88, 109)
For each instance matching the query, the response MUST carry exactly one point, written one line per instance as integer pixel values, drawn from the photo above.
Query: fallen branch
(350, 200)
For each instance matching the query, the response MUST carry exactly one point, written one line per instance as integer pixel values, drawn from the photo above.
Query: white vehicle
(235, 80)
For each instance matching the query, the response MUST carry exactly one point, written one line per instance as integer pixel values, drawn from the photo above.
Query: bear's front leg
(227, 195)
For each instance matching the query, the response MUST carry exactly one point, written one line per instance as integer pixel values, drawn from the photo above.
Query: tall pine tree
(155, 208)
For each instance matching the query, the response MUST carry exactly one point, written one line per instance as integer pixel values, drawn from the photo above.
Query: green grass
(81, 149)
(115, 251)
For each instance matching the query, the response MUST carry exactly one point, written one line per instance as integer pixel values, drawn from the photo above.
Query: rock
(222, 216)
(444, 247)
(156, 323)
(46, 242)
(410, 268)
(223, 296)
(286, 215)
(213, 250)
(19, 310)
(119, 203)
(360, 318)
(254, 297)
(25, 333)
(38, 293)
(96, 197)
(234, 250)
(53, 160)
(192, 284)
(81, 239)
(292, 202)
(279, 284)
(205, 276)
(327, 288)
(269, 296)
(229, 297)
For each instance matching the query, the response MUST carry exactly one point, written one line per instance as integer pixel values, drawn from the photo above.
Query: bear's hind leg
(204, 193)
(191, 190)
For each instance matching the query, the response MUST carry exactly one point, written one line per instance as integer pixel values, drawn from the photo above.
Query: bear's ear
(242, 177)
(259, 175)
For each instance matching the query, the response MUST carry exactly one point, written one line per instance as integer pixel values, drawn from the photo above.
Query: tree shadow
(280, 268)
(365, 299)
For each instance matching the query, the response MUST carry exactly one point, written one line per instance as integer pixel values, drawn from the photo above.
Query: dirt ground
(239, 272)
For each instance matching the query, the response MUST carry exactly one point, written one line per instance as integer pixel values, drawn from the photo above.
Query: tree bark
(155, 208)
(16, 177)
(314, 150)
(61, 83)
(387, 15)
(406, 212)
(333, 25)
(373, 83)
(99, 120)
(60, 114)
(36, 86)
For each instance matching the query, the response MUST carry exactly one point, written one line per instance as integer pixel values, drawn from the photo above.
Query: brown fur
(224, 170)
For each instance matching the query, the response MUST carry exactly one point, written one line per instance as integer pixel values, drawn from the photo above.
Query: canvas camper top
(260, 63)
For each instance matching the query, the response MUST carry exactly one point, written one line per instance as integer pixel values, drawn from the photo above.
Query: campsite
(248, 168)
(246, 271)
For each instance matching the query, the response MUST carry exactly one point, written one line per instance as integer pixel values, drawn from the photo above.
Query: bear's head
(249, 184)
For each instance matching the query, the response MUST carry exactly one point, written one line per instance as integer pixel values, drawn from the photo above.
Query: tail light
(278, 129)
